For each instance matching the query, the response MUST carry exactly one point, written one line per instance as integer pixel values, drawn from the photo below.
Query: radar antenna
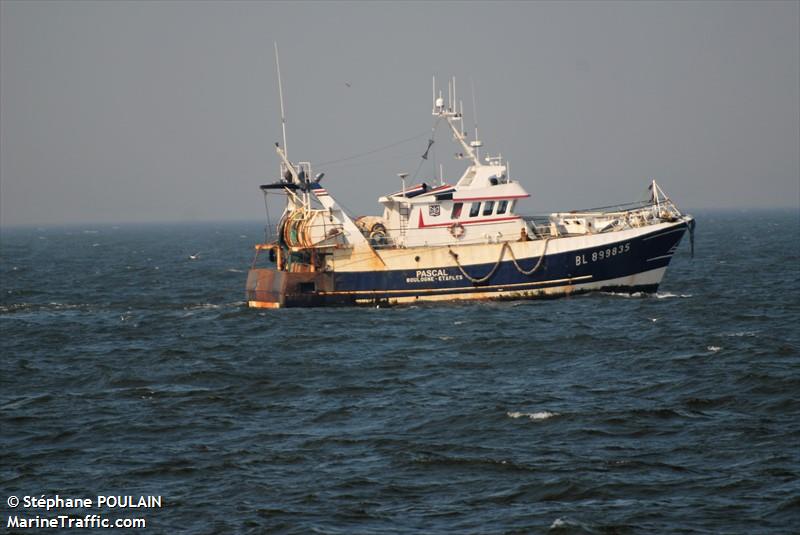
(453, 113)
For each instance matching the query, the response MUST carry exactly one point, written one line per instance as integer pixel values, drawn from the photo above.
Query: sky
(168, 111)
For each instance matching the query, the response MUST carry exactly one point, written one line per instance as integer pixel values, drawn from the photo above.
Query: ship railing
(303, 170)
(603, 219)
(663, 206)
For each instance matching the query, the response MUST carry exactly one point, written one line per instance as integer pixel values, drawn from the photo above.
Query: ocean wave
(667, 295)
(639, 295)
(566, 524)
(201, 306)
(38, 307)
(634, 295)
(541, 415)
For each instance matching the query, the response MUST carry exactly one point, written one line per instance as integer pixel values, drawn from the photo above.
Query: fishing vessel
(462, 241)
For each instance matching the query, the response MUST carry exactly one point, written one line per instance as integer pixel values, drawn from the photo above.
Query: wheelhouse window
(475, 209)
(456, 213)
(488, 207)
(501, 207)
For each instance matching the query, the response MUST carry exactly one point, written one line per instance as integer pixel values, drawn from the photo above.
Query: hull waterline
(629, 264)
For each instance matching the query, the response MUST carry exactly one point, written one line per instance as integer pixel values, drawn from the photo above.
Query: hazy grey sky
(154, 111)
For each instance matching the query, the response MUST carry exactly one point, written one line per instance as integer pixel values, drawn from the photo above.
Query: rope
(538, 264)
(488, 275)
(478, 280)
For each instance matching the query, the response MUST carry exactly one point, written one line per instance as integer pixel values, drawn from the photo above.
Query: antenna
(461, 117)
(280, 94)
(433, 101)
(403, 177)
(476, 144)
(449, 95)
(455, 101)
(474, 107)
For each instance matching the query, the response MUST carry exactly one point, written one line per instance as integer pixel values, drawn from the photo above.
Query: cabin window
(511, 206)
(475, 209)
(456, 210)
(501, 207)
(488, 207)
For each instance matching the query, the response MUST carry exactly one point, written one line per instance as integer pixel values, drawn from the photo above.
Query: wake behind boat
(455, 242)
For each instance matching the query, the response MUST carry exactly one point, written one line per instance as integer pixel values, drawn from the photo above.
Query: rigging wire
(405, 156)
(424, 157)
(373, 151)
(269, 221)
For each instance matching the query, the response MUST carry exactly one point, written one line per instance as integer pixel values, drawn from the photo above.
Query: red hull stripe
(410, 189)
(490, 198)
(465, 221)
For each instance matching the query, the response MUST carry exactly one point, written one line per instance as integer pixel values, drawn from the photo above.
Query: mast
(280, 95)
(301, 181)
(452, 116)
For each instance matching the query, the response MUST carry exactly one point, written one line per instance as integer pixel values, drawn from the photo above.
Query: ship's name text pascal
(432, 275)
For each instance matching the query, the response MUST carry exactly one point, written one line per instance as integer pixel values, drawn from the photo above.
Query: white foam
(201, 306)
(743, 333)
(636, 295)
(625, 294)
(666, 295)
(541, 415)
(713, 349)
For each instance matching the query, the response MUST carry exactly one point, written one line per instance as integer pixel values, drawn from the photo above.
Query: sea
(130, 366)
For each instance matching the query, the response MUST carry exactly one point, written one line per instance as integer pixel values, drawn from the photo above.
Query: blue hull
(617, 260)
(577, 271)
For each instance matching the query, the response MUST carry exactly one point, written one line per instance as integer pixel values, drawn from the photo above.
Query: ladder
(404, 211)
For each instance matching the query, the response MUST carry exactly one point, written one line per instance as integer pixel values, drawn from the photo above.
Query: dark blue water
(129, 368)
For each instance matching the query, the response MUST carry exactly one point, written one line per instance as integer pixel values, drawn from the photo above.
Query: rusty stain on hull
(269, 288)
